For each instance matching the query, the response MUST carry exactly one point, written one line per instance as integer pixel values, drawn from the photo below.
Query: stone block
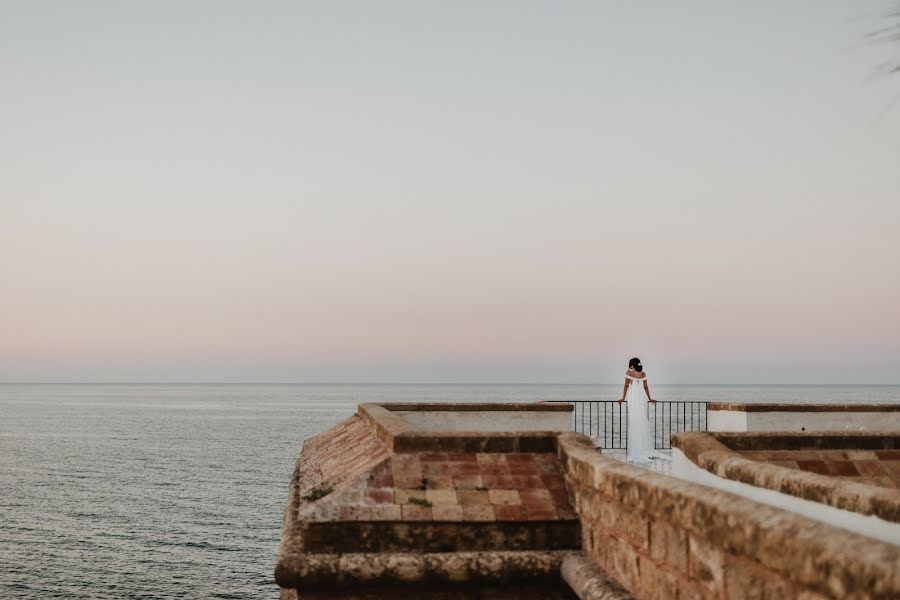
(441, 497)
(747, 580)
(447, 512)
(706, 565)
(669, 546)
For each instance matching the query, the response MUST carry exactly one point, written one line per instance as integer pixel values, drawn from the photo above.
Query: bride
(640, 442)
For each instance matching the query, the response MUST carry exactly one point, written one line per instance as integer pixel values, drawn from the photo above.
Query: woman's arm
(647, 389)
(625, 390)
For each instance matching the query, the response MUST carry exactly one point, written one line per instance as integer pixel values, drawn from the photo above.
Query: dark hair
(635, 363)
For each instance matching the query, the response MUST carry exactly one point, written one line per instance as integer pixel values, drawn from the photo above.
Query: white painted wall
(684, 468)
(488, 420)
(726, 420)
(737, 420)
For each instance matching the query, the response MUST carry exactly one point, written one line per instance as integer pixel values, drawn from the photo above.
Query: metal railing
(606, 421)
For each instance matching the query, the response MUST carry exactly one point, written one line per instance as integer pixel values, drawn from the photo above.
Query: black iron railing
(606, 421)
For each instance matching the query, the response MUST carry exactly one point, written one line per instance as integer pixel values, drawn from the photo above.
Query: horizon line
(442, 383)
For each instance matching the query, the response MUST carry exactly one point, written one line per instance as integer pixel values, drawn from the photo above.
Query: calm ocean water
(176, 491)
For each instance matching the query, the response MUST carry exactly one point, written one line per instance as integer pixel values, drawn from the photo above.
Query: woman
(640, 442)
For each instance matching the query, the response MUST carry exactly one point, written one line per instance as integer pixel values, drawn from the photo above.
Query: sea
(177, 491)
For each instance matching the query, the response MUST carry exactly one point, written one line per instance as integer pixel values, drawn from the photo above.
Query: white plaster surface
(736, 420)
(726, 420)
(886, 531)
(489, 420)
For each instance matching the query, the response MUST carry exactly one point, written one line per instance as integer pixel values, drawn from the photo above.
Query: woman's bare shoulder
(635, 374)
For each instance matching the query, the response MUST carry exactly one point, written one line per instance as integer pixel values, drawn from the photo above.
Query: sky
(422, 191)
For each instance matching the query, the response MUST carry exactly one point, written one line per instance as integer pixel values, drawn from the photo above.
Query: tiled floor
(663, 464)
(876, 467)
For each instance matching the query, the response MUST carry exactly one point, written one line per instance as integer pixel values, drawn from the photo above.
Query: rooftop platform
(476, 501)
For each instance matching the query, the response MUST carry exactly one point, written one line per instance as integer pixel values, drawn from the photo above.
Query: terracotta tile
(546, 458)
(386, 512)
(498, 481)
(888, 454)
(535, 497)
(356, 513)
(461, 469)
(856, 455)
(447, 512)
(566, 512)
(833, 454)
(560, 497)
(468, 482)
(540, 513)
(432, 456)
(459, 457)
(891, 467)
(439, 482)
(523, 469)
(526, 482)
(413, 512)
(814, 466)
(510, 512)
(553, 482)
(520, 458)
(404, 496)
(753, 455)
(869, 468)
(470, 497)
(486, 459)
(789, 464)
(842, 468)
(785, 455)
(380, 495)
(381, 477)
(505, 497)
(478, 512)
(441, 496)
(495, 470)
(429, 469)
(407, 471)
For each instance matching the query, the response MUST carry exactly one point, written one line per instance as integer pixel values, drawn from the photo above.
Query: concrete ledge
(715, 453)
(589, 582)
(777, 407)
(444, 567)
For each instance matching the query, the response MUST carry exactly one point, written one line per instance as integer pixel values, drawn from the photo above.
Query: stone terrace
(354, 496)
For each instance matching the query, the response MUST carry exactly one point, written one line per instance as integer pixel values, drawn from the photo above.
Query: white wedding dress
(640, 442)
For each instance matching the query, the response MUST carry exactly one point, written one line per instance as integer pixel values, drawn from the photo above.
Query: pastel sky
(447, 191)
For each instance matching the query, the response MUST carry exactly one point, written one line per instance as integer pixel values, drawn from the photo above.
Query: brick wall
(664, 538)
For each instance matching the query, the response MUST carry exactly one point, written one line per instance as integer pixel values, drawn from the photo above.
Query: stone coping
(589, 581)
(479, 407)
(401, 436)
(780, 407)
(802, 550)
(750, 441)
(718, 454)
(348, 569)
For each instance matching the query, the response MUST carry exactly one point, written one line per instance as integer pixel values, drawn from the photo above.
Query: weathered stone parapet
(718, 454)
(350, 569)
(662, 537)
(402, 437)
(589, 582)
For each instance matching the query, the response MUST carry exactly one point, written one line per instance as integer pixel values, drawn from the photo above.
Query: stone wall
(663, 538)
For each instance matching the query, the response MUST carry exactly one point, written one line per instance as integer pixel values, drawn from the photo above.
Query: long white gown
(640, 442)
